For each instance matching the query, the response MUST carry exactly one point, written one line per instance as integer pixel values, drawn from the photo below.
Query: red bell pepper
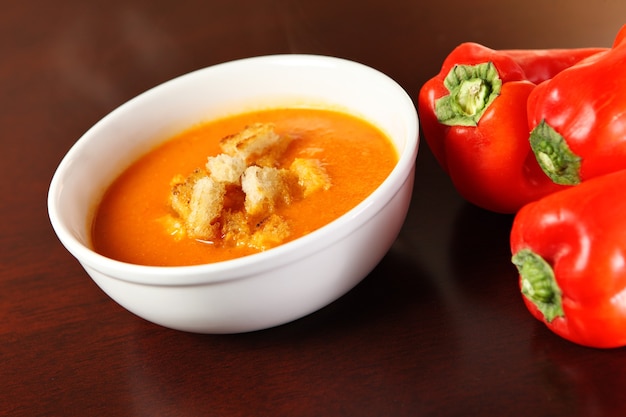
(570, 250)
(473, 116)
(578, 118)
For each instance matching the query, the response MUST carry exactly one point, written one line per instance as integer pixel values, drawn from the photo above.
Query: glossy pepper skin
(578, 117)
(473, 116)
(570, 251)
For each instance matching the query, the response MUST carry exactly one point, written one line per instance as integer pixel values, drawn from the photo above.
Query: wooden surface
(438, 329)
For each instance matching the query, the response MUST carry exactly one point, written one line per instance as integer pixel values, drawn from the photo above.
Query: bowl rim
(257, 263)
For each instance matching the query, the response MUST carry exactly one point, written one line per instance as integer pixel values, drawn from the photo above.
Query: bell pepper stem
(554, 156)
(538, 283)
(472, 89)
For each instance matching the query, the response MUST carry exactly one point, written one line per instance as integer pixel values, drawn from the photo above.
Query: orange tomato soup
(357, 157)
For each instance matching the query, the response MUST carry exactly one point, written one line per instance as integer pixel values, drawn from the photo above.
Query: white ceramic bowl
(265, 289)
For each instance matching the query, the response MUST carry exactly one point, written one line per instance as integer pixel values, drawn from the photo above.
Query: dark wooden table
(438, 329)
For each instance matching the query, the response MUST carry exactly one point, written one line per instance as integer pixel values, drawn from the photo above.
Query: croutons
(208, 204)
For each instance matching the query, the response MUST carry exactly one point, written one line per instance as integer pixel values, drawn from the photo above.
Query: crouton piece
(267, 233)
(235, 228)
(311, 174)
(206, 204)
(198, 201)
(226, 168)
(181, 191)
(257, 144)
(271, 231)
(265, 187)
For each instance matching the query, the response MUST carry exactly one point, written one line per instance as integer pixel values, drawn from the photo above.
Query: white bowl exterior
(262, 290)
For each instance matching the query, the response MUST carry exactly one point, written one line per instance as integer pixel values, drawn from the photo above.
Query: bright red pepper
(578, 118)
(570, 250)
(473, 116)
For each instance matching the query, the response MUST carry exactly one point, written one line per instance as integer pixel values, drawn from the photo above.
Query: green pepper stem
(554, 156)
(538, 283)
(472, 90)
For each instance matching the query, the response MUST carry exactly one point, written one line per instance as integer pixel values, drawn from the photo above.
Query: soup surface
(133, 222)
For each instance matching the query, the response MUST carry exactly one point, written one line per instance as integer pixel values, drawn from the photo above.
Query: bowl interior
(253, 83)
